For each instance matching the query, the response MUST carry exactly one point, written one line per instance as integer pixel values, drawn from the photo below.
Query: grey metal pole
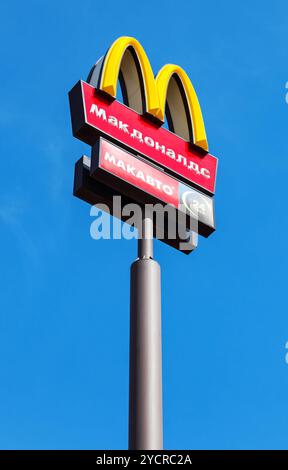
(145, 400)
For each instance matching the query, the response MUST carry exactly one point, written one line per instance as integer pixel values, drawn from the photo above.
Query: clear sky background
(64, 303)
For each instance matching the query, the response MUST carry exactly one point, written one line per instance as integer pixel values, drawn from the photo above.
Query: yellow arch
(155, 89)
(162, 82)
(111, 67)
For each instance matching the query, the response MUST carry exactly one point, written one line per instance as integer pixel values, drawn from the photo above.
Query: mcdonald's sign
(137, 124)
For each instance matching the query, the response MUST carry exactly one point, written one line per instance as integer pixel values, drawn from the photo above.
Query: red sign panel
(138, 173)
(93, 114)
(134, 177)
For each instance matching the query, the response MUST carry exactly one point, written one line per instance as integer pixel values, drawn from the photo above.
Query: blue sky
(64, 298)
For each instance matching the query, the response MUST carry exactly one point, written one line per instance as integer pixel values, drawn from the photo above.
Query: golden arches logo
(171, 92)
